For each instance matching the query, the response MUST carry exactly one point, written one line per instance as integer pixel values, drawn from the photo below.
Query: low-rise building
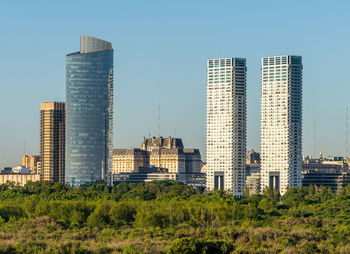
(151, 173)
(6, 170)
(253, 183)
(143, 177)
(324, 164)
(161, 153)
(18, 179)
(197, 180)
(21, 170)
(334, 178)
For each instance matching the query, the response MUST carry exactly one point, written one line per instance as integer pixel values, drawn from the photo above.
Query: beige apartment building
(31, 162)
(165, 154)
(19, 179)
(52, 141)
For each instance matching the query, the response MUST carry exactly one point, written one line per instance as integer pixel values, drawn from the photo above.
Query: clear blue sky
(161, 48)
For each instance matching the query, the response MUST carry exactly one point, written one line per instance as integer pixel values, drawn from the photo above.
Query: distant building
(325, 164)
(197, 180)
(52, 141)
(154, 174)
(19, 179)
(18, 175)
(252, 157)
(31, 161)
(335, 178)
(252, 162)
(21, 170)
(252, 168)
(253, 183)
(6, 170)
(204, 167)
(329, 172)
(129, 160)
(143, 177)
(161, 153)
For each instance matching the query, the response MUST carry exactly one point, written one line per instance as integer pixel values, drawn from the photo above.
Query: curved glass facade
(89, 122)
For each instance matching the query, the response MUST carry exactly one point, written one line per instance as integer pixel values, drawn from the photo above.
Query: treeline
(170, 217)
(122, 191)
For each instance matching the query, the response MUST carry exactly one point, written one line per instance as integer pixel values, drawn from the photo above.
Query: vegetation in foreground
(170, 217)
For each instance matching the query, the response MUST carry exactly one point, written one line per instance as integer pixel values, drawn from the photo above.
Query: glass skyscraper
(89, 111)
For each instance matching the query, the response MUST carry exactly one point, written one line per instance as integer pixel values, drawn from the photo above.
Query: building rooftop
(160, 142)
(90, 44)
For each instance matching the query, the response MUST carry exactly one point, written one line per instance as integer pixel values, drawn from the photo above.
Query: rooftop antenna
(158, 119)
(160, 141)
(347, 134)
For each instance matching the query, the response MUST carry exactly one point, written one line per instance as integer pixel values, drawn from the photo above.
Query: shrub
(16, 212)
(100, 217)
(123, 213)
(188, 245)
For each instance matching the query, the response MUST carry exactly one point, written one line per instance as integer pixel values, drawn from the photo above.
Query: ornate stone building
(163, 154)
(129, 160)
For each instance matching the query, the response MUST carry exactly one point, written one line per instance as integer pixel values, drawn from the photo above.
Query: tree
(100, 217)
(246, 191)
(184, 245)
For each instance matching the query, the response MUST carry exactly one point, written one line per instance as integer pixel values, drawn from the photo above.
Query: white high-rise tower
(226, 124)
(281, 122)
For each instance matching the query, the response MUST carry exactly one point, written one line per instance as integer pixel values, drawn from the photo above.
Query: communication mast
(158, 119)
(314, 137)
(347, 135)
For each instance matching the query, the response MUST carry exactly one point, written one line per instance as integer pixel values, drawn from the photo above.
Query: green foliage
(14, 212)
(184, 245)
(189, 245)
(272, 194)
(148, 216)
(123, 213)
(131, 249)
(170, 217)
(100, 216)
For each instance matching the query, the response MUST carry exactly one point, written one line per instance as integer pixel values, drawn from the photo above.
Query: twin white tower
(281, 123)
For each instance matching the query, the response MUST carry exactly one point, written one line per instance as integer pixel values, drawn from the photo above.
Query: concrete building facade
(52, 141)
(19, 179)
(281, 122)
(226, 124)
